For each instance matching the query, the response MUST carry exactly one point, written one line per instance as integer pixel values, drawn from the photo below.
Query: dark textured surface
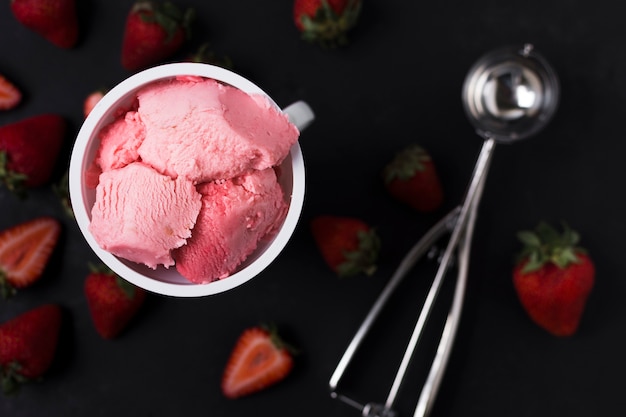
(397, 83)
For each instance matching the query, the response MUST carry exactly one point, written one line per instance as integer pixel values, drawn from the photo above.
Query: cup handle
(300, 114)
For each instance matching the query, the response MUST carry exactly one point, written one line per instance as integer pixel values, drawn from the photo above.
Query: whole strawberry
(113, 302)
(326, 22)
(24, 252)
(28, 151)
(55, 20)
(153, 33)
(553, 278)
(28, 344)
(258, 360)
(411, 177)
(348, 245)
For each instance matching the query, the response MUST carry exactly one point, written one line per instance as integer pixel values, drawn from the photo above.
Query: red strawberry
(259, 359)
(113, 302)
(55, 20)
(553, 278)
(348, 245)
(91, 100)
(28, 345)
(411, 177)
(10, 95)
(326, 21)
(153, 33)
(24, 252)
(28, 151)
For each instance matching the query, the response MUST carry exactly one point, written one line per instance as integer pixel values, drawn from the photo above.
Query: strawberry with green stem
(154, 32)
(113, 302)
(348, 245)
(326, 22)
(553, 278)
(411, 177)
(28, 151)
(28, 344)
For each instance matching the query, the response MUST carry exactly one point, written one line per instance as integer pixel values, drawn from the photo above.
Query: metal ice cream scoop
(508, 94)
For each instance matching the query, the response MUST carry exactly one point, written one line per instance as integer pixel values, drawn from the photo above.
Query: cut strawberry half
(10, 95)
(91, 100)
(259, 359)
(24, 252)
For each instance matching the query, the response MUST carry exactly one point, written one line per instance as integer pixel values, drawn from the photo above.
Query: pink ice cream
(185, 177)
(206, 130)
(142, 215)
(236, 213)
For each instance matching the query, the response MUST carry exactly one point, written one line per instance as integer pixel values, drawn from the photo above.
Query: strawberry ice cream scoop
(236, 214)
(204, 130)
(142, 215)
(119, 142)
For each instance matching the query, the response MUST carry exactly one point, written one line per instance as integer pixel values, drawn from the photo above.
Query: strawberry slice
(10, 95)
(24, 252)
(260, 359)
(91, 100)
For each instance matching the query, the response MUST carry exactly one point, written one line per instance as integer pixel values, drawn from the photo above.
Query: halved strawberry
(10, 95)
(91, 100)
(24, 252)
(260, 359)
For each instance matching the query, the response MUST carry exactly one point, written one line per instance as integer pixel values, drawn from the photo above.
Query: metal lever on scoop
(460, 223)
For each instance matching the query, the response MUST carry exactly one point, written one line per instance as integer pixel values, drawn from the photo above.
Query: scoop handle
(300, 114)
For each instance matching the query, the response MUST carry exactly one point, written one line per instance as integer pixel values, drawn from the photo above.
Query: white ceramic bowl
(168, 281)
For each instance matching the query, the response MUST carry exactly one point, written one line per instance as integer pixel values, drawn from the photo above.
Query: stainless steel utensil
(508, 94)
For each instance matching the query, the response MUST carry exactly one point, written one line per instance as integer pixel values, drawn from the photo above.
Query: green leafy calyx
(546, 245)
(406, 164)
(329, 28)
(363, 259)
(166, 15)
(14, 181)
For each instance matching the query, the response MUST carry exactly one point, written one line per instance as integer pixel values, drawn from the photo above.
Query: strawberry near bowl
(168, 281)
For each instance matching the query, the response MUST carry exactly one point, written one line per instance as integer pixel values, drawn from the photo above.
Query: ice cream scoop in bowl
(168, 281)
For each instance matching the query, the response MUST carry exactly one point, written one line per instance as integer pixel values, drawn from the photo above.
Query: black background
(398, 82)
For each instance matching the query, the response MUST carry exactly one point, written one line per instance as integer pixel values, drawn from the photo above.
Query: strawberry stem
(363, 259)
(546, 245)
(6, 289)
(14, 181)
(406, 163)
(11, 378)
